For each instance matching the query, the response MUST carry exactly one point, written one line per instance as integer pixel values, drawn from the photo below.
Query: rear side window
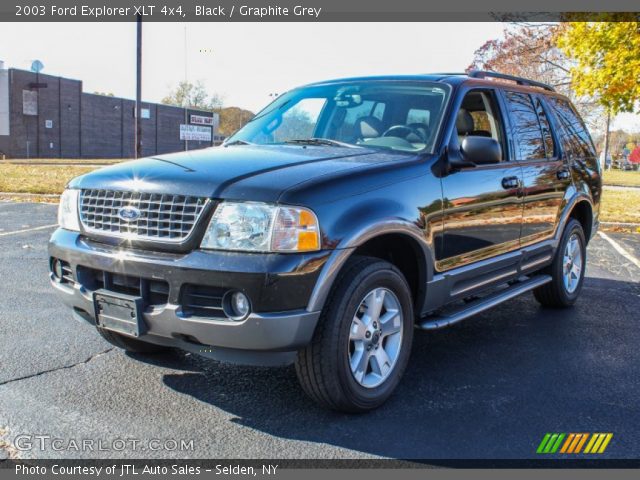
(578, 140)
(529, 140)
(547, 136)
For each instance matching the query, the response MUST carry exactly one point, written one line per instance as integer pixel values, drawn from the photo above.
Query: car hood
(230, 172)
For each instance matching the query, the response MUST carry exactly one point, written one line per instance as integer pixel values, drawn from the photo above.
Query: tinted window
(417, 115)
(526, 128)
(479, 116)
(347, 129)
(359, 113)
(546, 130)
(300, 121)
(578, 141)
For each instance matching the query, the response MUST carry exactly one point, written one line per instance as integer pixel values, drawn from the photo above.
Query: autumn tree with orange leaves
(530, 50)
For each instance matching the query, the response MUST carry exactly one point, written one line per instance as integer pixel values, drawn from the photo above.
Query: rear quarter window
(576, 138)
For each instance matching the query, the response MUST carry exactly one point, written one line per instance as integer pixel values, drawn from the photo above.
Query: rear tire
(567, 269)
(362, 343)
(130, 344)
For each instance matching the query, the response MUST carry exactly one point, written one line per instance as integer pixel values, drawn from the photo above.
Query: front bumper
(279, 286)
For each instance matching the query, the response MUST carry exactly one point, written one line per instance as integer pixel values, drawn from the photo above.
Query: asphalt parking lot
(488, 388)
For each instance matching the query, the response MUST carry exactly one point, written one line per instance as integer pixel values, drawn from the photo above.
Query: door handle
(563, 173)
(510, 182)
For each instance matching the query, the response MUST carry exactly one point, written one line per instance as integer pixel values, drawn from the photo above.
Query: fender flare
(564, 218)
(349, 244)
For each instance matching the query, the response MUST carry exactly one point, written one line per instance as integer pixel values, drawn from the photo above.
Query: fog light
(236, 305)
(56, 268)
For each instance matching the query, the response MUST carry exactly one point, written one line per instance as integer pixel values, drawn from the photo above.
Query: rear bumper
(279, 287)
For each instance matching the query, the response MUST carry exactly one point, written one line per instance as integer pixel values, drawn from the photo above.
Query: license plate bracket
(119, 312)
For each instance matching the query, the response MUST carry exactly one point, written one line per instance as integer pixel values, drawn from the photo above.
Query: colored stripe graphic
(598, 443)
(572, 443)
(551, 443)
(556, 445)
(590, 444)
(566, 445)
(543, 443)
(581, 442)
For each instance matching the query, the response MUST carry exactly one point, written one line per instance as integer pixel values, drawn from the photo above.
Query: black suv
(342, 217)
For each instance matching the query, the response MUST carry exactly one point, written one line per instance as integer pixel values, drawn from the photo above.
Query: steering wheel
(403, 131)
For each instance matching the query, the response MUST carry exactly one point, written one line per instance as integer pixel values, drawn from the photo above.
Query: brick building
(44, 116)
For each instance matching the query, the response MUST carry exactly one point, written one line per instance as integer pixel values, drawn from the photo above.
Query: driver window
(479, 116)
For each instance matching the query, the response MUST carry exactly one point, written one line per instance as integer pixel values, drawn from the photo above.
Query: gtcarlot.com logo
(574, 443)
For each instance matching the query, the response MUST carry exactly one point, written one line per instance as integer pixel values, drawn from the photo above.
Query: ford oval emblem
(129, 213)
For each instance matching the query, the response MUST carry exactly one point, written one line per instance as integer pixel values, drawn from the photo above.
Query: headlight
(260, 227)
(68, 210)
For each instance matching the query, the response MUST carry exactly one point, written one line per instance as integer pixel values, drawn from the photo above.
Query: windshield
(396, 115)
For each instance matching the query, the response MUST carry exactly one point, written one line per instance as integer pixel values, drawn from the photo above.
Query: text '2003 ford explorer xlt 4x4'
(339, 219)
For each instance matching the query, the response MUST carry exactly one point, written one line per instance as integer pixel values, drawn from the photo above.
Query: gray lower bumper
(278, 286)
(261, 339)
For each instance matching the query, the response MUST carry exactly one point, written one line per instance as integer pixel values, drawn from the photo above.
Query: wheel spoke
(380, 362)
(358, 329)
(360, 363)
(374, 306)
(390, 322)
(575, 248)
(578, 262)
(575, 271)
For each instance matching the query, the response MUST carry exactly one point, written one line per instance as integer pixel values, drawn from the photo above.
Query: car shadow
(487, 388)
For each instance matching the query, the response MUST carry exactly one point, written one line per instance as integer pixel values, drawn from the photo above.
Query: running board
(456, 315)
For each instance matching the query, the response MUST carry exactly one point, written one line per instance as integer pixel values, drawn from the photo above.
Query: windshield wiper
(320, 141)
(238, 142)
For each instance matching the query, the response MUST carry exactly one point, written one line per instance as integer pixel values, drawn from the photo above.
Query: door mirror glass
(481, 150)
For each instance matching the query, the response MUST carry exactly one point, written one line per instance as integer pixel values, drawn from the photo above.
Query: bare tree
(529, 50)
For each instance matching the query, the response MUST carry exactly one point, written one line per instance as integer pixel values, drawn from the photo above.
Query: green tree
(606, 57)
(607, 60)
(189, 95)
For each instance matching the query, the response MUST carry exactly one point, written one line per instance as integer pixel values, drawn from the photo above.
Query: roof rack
(503, 76)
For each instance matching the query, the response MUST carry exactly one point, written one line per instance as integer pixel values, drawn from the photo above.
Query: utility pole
(186, 80)
(138, 134)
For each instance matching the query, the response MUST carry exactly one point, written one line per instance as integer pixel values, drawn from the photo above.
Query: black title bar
(308, 10)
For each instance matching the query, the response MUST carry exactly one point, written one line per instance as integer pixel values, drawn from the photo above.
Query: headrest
(369, 127)
(464, 122)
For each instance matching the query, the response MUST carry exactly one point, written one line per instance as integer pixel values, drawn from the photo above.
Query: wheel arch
(580, 207)
(582, 211)
(399, 242)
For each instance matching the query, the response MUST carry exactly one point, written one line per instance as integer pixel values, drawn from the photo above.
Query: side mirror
(481, 150)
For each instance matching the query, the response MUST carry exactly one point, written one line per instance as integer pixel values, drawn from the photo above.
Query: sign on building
(212, 121)
(29, 102)
(195, 133)
(201, 120)
(145, 113)
(48, 124)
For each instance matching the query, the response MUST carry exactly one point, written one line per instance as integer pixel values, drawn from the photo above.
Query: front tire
(363, 339)
(567, 269)
(130, 344)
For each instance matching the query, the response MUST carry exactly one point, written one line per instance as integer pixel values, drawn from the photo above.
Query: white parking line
(618, 248)
(5, 234)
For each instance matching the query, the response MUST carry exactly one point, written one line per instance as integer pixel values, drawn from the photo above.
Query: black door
(482, 204)
(545, 174)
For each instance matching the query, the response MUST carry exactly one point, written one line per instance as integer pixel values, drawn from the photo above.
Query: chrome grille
(162, 217)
